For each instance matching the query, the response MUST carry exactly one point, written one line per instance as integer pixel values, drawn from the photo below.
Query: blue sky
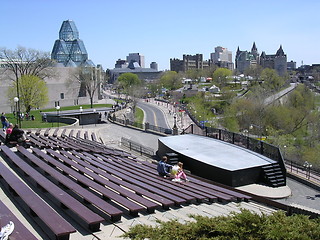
(165, 29)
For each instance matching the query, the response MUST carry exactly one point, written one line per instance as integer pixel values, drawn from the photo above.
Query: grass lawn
(37, 123)
(139, 115)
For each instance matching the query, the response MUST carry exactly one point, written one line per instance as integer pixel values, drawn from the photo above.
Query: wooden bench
(166, 203)
(55, 133)
(191, 187)
(63, 133)
(91, 219)
(86, 135)
(38, 132)
(149, 205)
(88, 197)
(46, 133)
(71, 133)
(34, 140)
(59, 227)
(94, 137)
(2, 136)
(178, 200)
(132, 207)
(20, 232)
(154, 180)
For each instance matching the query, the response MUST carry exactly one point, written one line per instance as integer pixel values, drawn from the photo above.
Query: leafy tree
(33, 92)
(254, 71)
(129, 82)
(171, 80)
(22, 61)
(271, 80)
(221, 76)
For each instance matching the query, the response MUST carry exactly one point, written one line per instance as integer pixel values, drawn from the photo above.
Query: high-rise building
(69, 50)
(222, 57)
(136, 57)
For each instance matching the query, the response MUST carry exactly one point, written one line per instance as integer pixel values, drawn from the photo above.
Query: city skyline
(161, 30)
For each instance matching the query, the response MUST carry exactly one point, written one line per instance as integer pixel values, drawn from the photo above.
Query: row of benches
(93, 183)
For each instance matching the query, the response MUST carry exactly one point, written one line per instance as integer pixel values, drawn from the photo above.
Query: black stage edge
(216, 160)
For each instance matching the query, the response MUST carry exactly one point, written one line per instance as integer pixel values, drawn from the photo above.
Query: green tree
(33, 92)
(271, 80)
(254, 71)
(221, 76)
(129, 83)
(171, 80)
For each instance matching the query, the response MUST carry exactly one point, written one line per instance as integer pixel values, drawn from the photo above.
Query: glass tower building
(69, 50)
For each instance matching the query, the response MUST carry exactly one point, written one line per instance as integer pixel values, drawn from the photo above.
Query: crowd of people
(174, 172)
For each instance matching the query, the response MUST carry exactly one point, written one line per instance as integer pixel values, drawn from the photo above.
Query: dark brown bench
(2, 136)
(191, 187)
(71, 133)
(88, 197)
(34, 141)
(178, 200)
(149, 205)
(59, 227)
(55, 133)
(38, 132)
(135, 171)
(91, 219)
(86, 135)
(166, 203)
(132, 207)
(46, 133)
(63, 133)
(94, 137)
(20, 232)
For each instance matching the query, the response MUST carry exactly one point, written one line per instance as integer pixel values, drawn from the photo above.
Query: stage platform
(216, 160)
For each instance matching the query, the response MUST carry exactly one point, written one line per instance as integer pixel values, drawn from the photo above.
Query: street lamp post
(95, 122)
(175, 129)
(16, 100)
(58, 113)
(81, 110)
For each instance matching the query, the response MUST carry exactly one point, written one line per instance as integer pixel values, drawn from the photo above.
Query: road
(153, 114)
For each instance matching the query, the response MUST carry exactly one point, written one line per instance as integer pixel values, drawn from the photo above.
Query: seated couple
(15, 135)
(167, 170)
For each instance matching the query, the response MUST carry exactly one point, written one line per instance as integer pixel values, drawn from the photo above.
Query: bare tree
(90, 81)
(24, 61)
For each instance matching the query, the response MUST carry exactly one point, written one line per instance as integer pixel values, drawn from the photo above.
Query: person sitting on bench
(163, 167)
(17, 135)
(180, 174)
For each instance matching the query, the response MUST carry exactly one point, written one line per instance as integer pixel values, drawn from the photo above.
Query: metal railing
(137, 147)
(252, 144)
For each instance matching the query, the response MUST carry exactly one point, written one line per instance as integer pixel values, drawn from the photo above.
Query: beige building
(63, 88)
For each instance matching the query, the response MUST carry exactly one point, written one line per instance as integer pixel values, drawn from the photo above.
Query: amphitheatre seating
(60, 178)
(166, 203)
(20, 232)
(91, 219)
(36, 206)
(107, 194)
(109, 182)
